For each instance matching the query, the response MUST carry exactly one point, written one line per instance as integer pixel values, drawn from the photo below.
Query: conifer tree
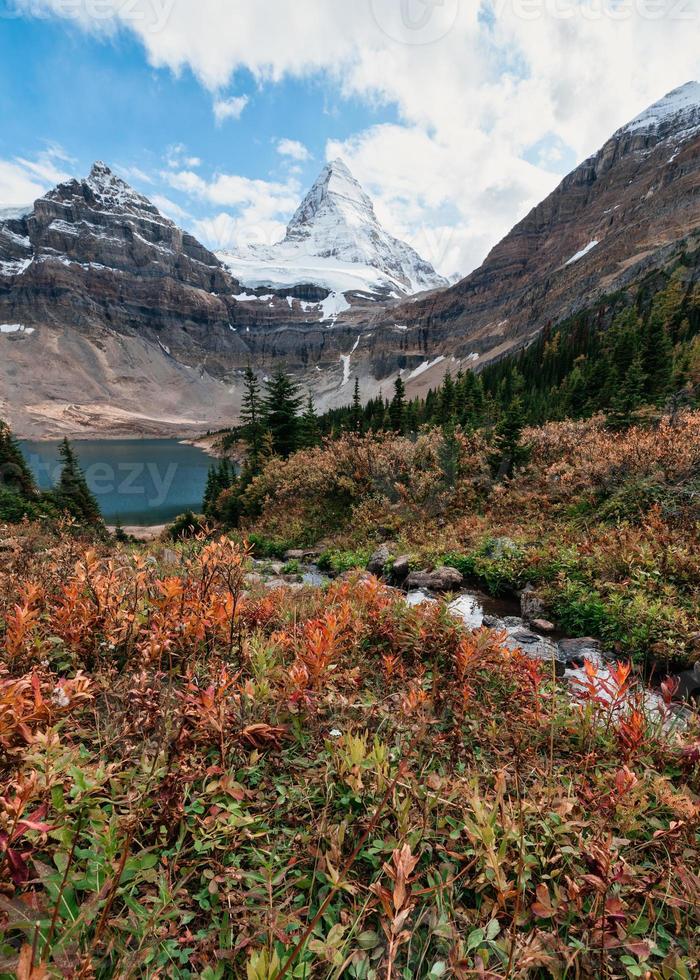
(397, 409)
(72, 493)
(14, 472)
(309, 430)
(221, 477)
(447, 400)
(356, 419)
(657, 357)
(630, 395)
(281, 413)
(510, 451)
(252, 424)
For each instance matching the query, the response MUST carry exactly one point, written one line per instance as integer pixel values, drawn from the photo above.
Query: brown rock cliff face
(638, 198)
(130, 325)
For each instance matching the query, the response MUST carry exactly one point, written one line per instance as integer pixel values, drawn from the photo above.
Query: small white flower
(60, 698)
(335, 733)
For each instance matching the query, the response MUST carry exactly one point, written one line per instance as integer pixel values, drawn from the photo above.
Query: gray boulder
(302, 554)
(280, 583)
(573, 652)
(531, 604)
(542, 625)
(442, 579)
(493, 623)
(401, 568)
(534, 646)
(379, 560)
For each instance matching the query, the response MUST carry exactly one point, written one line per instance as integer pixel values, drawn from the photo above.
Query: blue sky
(456, 116)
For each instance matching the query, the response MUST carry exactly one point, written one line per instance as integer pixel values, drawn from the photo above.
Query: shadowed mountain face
(113, 320)
(621, 213)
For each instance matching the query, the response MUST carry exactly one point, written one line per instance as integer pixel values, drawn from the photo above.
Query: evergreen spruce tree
(72, 493)
(14, 472)
(252, 423)
(447, 400)
(309, 430)
(397, 409)
(629, 397)
(510, 451)
(221, 477)
(356, 417)
(281, 413)
(412, 416)
(449, 454)
(657, 358)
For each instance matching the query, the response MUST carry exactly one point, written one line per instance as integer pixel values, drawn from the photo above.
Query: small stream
(475, 608)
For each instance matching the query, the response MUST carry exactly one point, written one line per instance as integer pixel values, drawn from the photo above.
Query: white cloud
(226, 231)
(259, 209)
(169, 208)
(475, 86)
(177, 155)
(134, 173)
(293, 149)
(229, 108)
(23, 180)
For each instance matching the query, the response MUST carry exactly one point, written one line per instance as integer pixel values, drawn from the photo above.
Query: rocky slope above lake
(115, 321)
(623, 212)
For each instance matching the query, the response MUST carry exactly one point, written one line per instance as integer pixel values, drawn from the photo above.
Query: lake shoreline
(141, 532)
(138, 483)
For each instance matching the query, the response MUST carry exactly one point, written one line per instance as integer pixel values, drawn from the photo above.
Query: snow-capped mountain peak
(334, 240)
(677, 111)
(335, 194)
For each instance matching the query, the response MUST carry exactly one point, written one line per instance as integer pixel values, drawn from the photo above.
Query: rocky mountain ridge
(621, 213)
(334, 240)
(113, 320)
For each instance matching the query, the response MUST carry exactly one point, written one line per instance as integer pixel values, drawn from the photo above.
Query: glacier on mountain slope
(680, 107)
(335, 241)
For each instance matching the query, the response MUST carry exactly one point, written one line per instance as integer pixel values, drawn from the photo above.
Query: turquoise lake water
(135, 481)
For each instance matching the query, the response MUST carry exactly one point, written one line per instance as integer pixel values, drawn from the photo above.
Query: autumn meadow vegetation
(208, 773)
(202, 777)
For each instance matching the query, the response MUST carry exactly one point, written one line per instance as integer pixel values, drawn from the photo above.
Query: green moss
(336, 562)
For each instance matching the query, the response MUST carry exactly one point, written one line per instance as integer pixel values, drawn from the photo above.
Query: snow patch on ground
(345, 361)
(584, 251)
(333, 306)
(15, 328)
(252, 298)
(20, 240)
(14, 268)
(425, 366)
